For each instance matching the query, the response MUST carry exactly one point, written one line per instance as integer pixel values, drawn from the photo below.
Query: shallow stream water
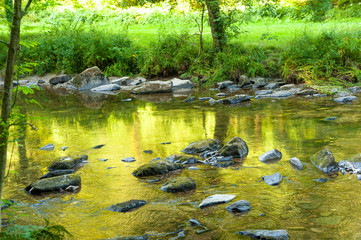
(307, 209)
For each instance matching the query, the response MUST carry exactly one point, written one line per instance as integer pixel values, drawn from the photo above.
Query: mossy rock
(66, 162)
(127, 206)
(182, 158)
(178, 184)
(236, 148)
(156, 167)
(131, 238)
(90, 78)
(325, 161)
(223, 164)
(202, 145)
(54, 184)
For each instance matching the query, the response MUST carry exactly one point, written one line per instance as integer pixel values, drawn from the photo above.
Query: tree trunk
(13, 49)
(216, 23)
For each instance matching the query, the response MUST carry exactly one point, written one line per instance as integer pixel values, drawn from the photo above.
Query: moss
(179, 184)
(156, 167)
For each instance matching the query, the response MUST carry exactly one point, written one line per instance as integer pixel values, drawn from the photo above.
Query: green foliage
(318, 8)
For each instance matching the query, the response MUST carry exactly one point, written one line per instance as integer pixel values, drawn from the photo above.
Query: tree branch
(32, 126)
(22, 14)
(7, 44)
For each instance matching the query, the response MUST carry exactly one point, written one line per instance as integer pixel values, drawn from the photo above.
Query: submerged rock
(273, 179)
(194, 222)
(216, 199)
(345, 99)
(48, 147)
(156, 167)
(153, 87)
(127, 206)
(296, 163)
(130, 238)
(270, 156)
(201, 146)
(239, 206)
(128, 159)
(182, 158)
(98, 146)
(235, 99)
(66, 162)
(324, 161)
(90, 78)
(58, 183)
(179, 184)
(223, 164)
(266, 234)
(236, 148)
(57, 173)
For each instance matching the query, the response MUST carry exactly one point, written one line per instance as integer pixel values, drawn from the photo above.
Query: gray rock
(130, 238)
(105, 88)
(296, 163)
(324, 161)
(148, 151)
(190, 99)
(204, 98)
(212, 101)
(243, 80)
(349, 167)
(233, 88)
(127, 206)
(98, 146)
(64, 148)
(62, 163)
(221, 94)
(57, 173)
(225, 84)
(153, 87)
(279, 94)
(179, 184)
(345, 99)
(180, 84)
(48, 147)
(236, 148)
(270, 156)
(20, 83)
(156, 167)
(273, 179)
(59, 79)
(127, 100)
(53, 184)
(90, 78)
(235, 99)
(272, 85)
(223, 164)
(306, 92)
(263, 92)
(239, 206)
(330, 118)
(201, 146)
(216, 199)
(287, 87)
(321, 180)
(343, 94)
(124, 81)
(31, 84)
(137, 81)
(193, 168)
(259, 82)
(266, 234)
(355, 89)
(194, 222)
(319, 95)
(128, 159)
(182, 158)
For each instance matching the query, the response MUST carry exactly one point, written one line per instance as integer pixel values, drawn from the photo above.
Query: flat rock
(345, 99)
(266, 234)
(148, 151)
(204, 98)
(48, 147)
(130, 238)
(53, 184)
(288, 86)
(236, 148)
(124, 81)
(193, 168)
(62, 163)
(270, 156)
(224, 84)
(105, 88)
(325, 161)
(57, 173)
(278, 94)
(216, 199)
(239, 206)
(221, 94)
(189, 99)
(179, 184)
(194, 222)
(90, 78)
(263, 92)
(128, 159)
(272, 85)
(296, 163)
(273, 179)
(306, 92)
(235, 99)
(201, 146)
(59, 79)
(153, 87)
(127, 206)
(181, 84)
(157, 167)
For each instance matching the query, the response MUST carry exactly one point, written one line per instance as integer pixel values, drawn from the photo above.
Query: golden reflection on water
(307, 209)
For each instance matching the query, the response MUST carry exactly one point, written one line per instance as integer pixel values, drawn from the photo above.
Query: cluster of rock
(60, 178)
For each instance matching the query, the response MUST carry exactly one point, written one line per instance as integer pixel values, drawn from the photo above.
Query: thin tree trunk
(216, 23)
(13, 49)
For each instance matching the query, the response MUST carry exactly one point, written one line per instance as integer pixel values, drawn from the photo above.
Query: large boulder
(179, 184)
(266, 234)
(156, 167)
(224, 84)
(243, 80)
(181, 84)
(325, 161)
(59, 79)
(201, 146)
(236, 148)
(153, 87)
(127, 206)
(54, 184)
(67, 162)
(90, 78)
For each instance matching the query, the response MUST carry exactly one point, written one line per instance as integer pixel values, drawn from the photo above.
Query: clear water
(297, 127)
